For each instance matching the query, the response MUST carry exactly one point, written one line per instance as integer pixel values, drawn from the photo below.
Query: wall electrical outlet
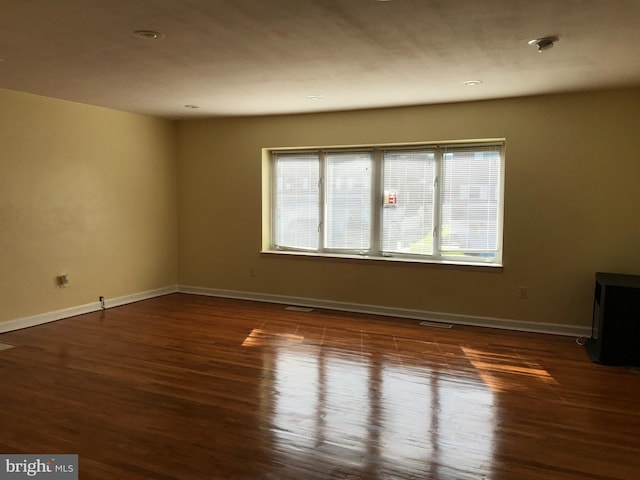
(522, 293)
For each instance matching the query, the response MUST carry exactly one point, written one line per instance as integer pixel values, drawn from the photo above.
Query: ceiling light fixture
(315, 97)
(193, 107)
(543, 43)
(472, 83)
(148, 34)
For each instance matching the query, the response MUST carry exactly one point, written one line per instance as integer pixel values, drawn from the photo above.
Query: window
(434, 203)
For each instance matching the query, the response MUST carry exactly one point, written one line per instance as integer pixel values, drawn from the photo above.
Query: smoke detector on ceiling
(544, 43)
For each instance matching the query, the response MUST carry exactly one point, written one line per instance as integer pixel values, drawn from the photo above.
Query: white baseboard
(137, 297)
(489, 322)
(47, 317)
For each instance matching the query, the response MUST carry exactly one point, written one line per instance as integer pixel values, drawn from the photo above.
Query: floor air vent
(435, 324)
(299, 309)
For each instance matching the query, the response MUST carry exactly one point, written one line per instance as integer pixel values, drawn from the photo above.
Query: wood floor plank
(189, 387)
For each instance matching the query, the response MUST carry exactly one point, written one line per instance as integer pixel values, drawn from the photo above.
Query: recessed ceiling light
(148, 34)
(193, 107)
(315, 97)
(472, 83)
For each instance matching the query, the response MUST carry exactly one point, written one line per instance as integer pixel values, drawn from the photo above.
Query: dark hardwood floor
(188, 387)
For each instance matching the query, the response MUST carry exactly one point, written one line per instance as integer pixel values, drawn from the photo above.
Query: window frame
(376, 251)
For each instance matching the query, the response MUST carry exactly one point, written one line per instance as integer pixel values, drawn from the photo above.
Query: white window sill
(408, 260)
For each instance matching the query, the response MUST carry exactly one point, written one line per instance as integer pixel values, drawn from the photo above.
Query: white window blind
(348, 201)
(408, 202)
(430, 202)
(470, 201)
(296, 201)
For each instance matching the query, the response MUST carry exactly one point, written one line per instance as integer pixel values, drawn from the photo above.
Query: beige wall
(86, 191)
(93, 193)
(571, 196)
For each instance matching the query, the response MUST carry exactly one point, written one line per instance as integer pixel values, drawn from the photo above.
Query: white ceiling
(254, 57)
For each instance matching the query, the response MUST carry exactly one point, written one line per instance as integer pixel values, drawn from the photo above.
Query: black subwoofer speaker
(615, 332)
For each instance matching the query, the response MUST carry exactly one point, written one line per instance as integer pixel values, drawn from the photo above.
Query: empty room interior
(320, 239)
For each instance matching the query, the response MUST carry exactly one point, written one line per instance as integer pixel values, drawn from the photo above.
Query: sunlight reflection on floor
(373, 411)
